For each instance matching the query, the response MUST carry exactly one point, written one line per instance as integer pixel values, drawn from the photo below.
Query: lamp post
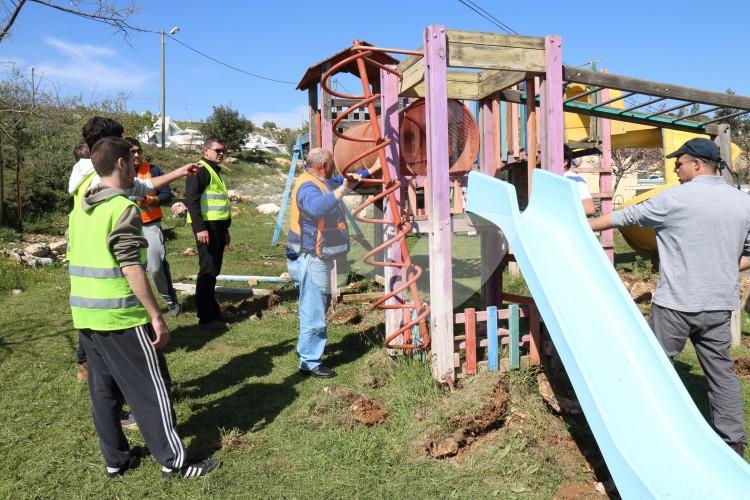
(173, 31)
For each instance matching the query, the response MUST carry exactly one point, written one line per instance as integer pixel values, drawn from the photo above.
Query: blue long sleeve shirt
(314, 204)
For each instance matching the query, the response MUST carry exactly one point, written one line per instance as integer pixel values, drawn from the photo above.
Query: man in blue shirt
(317, 236)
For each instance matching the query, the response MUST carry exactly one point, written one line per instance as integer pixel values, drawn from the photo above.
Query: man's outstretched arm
(601, 223)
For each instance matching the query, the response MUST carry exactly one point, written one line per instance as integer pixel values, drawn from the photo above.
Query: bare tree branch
(12, 19)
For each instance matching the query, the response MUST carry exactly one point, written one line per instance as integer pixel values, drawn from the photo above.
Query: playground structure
(520, 86)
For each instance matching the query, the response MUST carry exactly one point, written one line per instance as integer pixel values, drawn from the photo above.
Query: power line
(254, 75)
(482, 12)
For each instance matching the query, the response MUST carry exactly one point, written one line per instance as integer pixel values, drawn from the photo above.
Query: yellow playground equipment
(578, 128)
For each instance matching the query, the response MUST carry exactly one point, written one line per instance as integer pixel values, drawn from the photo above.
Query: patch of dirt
(235, 442)
(189, 252)
(561, 403)
(742, 367)
(368, 411)
(345, 316)
(469, 426)
(578, 491)
(252, 307)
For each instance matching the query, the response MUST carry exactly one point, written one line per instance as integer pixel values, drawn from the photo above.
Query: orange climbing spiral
(414, 310)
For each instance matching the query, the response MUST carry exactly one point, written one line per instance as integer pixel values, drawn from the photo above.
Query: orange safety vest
(150, 213)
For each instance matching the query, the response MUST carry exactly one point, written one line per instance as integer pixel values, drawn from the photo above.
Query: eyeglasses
(135, 151)
(218, 151)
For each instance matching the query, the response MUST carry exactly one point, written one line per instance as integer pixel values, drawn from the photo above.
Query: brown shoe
(82, 373)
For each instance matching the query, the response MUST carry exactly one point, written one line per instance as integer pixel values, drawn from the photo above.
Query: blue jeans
(313, 276)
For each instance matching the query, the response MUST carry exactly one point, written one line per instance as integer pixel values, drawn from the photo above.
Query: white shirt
(84, 166)
(583, 188)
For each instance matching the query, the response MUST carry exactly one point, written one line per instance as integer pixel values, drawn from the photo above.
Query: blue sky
(687, 43)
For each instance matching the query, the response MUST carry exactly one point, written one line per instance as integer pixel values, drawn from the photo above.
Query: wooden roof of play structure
(313, 73)
(506, 60)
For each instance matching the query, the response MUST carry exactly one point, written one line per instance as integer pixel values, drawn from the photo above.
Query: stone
(268, 208)
(59, 246)
(189, 252)
(642, 291)
(231, 160)
(44, 261)
(37, 250)
(16, 291)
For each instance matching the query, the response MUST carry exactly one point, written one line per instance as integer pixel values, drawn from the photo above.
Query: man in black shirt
(209, 215)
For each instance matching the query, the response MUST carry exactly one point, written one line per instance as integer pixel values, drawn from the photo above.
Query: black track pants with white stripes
(124, 366)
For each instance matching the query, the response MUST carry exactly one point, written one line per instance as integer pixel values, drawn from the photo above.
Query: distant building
(258, 143)
(186, 139)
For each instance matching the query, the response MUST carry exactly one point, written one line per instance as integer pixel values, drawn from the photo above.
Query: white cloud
(90, 67)
(291, 119)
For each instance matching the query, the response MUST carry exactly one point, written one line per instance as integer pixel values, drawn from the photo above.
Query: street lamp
(173, 31)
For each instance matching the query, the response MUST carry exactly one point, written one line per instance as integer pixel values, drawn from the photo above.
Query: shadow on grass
(255, 405)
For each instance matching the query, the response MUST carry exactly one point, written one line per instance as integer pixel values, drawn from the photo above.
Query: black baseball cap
(698, 148)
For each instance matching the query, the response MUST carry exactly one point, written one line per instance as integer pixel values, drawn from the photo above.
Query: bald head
(320, 162)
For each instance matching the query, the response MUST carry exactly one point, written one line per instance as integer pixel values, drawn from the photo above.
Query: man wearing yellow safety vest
(207, 202)
(317, 236)
(121, 327)
(151, 214)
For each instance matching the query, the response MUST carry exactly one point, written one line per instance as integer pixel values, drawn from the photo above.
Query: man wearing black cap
(702, 232)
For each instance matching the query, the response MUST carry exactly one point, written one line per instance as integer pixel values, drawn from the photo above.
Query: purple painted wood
(389, 113)
(552, 105)
(605, 181)
(488, 138)
(440, 269)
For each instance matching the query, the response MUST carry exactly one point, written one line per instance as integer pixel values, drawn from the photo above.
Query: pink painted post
(490, 243)
(488, 138)
(389, 113)
(552, 107)
(605, 181)
(441, 278)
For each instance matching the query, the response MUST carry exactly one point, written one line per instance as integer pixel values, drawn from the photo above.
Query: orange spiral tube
(415, 312)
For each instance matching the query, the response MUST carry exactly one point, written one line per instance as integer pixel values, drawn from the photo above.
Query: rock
(285, 275)
(58, 247)
(231, 160)
(642, 291)
(268, 208)
(44, 261)
(16, 257)
(16, 291)
(233, 195)
(189, 252)
(37, 250)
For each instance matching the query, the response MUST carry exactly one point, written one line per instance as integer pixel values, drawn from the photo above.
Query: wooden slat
(409, 61)
(534, 332)
(593, 170)
(515, 352)
(460, 318)
(492, 347)
(471, 341)
(492, 81)
(413, 76)
(461, 85)
(494, 39)
(468, 55)
(658, 89)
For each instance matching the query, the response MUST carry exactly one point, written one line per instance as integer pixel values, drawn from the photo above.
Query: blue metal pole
(297, 155)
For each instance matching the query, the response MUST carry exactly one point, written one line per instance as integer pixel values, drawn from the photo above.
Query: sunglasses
(219, 151)
(678, 164)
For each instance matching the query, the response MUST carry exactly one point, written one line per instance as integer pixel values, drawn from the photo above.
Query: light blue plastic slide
(653, 438)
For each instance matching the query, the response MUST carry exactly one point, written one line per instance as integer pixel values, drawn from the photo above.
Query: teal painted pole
(515, 350)
(492, 348)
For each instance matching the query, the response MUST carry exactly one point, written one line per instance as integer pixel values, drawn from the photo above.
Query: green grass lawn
(239, 397)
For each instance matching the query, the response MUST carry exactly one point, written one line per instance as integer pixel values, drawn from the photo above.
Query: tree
(107, 12)
(631, 160)
(227, 124)
(269, 125)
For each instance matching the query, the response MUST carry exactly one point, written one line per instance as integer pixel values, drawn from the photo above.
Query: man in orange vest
(151, 214)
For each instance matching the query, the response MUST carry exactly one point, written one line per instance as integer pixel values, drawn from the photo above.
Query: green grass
(238, 396)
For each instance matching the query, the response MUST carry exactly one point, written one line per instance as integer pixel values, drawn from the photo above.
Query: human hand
(190, 169)
(202, 237)
(227, 238)
(352, 180)
(161, 331)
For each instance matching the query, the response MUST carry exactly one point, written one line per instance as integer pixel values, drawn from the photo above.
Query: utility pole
(164, 87)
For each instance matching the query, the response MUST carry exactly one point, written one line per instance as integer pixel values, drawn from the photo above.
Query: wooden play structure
(523, 92)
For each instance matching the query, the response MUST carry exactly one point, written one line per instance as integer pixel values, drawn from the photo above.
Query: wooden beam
(461, 85)
(492, 81)
(412, 76)
(552, 108)
(441, 278)
(494, 39)
(314, 114)
(657, 89)
(393, 275)
(461, 55)
(410, 61)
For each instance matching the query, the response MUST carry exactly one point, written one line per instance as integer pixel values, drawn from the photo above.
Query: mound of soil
(345, 316)
(254, 306)
(368, 411)
(468, 427)
(742, 367)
